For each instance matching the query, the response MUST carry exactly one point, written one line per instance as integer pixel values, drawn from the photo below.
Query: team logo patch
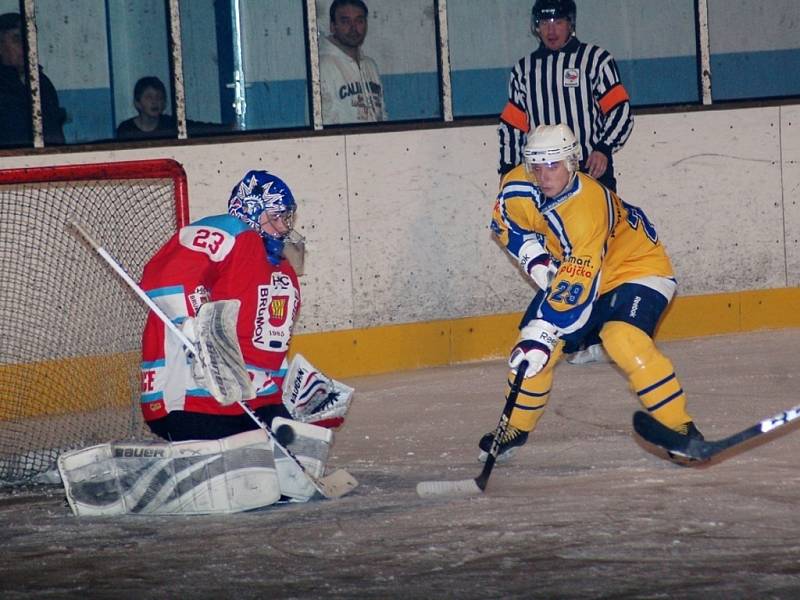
(277, 310)
(199, 297)
(572, 77)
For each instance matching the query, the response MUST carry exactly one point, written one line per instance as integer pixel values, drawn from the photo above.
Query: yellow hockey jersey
(596, 240)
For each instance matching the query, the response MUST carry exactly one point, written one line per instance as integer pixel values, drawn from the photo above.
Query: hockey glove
(312, 397)
(536, 342)
(535, 261)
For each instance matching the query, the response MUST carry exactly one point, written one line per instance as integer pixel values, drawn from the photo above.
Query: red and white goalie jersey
(216, 258)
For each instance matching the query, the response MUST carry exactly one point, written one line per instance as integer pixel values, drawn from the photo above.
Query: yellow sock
(650, 373)
(533, 395)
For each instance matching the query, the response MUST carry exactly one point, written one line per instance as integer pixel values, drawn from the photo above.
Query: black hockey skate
(692, 432)
(509, 442)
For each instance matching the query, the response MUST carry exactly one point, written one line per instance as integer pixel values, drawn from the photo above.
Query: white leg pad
(311, 445)
(230, 475)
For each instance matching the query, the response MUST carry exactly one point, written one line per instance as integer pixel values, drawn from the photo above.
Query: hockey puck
(284, 434)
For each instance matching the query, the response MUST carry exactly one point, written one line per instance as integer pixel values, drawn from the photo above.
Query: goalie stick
(336, 484)
(473, 487)
(696, 450)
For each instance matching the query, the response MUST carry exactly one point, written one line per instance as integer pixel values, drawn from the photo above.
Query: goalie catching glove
(535, 345)
(312, 397)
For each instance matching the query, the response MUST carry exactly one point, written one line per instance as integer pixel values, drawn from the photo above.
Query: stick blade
(433, 489)
(681, 449)
(337, 484)
(654, 432)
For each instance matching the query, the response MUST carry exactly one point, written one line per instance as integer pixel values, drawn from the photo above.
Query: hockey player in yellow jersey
(600, 268)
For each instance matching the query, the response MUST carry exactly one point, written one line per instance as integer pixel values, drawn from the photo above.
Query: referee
(570, 82)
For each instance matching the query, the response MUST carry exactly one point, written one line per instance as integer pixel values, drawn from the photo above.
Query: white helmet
(551, 144)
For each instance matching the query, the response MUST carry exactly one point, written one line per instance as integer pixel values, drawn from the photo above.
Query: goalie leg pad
(311, 445)
(229, 475)
(650, 373)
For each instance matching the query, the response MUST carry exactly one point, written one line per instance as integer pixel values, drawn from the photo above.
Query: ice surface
(584, 510)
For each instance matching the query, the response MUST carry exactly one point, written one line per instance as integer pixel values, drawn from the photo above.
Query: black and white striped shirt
(578, 85)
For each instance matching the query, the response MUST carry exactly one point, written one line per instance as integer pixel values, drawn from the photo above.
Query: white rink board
(711, 183)
(397, 223)
(790, 151)
(420, 210)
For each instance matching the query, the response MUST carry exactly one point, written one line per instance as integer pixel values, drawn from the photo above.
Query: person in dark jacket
(15, 99)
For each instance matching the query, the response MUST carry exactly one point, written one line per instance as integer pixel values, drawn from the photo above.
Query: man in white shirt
(352, 91)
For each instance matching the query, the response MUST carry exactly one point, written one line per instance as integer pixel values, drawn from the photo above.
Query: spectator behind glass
(352, 91)
(15, 99)
(150, 101)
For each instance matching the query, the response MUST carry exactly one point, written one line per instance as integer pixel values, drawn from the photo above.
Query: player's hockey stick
(473, 487)
(703, 450)
(334, 485)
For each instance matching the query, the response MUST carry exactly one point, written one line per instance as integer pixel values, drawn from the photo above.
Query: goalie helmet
(261, 192)
(544, 10)
(550, 144)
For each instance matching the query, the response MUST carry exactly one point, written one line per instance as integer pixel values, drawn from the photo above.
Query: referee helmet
(544, 10)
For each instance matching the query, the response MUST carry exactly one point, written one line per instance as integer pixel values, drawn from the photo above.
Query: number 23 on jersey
(211, 241)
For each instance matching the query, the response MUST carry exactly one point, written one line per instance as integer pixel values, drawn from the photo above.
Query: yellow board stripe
(357, 352)
(67, 385)
(105, 381)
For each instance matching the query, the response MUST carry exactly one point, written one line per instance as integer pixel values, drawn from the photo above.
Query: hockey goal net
(69, 327)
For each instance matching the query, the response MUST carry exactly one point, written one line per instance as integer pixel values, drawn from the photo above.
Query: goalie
(223, 300)
(239, 256)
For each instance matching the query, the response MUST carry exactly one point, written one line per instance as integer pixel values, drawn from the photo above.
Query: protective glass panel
(245, 65)
(275, 63)
(487, 37)
(206, 24)
(656, 67)
(755, 52)
(141, 94)
(395, 76)
(15, 99)
(94, 53)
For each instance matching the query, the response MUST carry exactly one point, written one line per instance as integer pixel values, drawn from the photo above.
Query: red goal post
(70, 329)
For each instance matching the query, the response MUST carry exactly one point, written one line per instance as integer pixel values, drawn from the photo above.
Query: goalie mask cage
(70, 329)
